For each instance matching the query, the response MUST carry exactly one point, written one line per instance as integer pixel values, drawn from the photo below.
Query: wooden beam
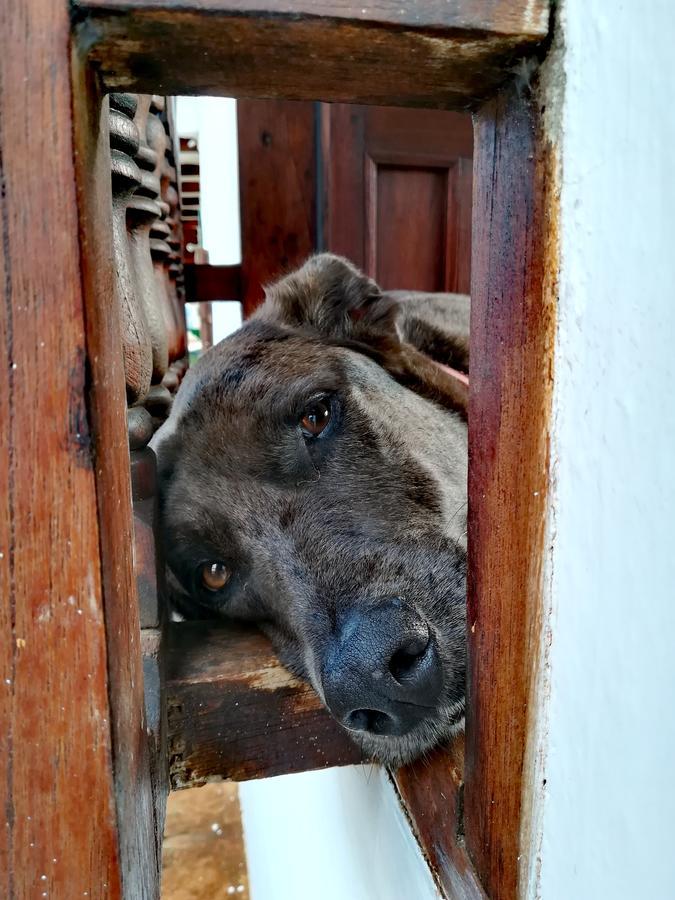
(431, 791)
(205, 283)
(140, 786)
(439, 54)
(236, 713)
(75, 795)
(514, 272)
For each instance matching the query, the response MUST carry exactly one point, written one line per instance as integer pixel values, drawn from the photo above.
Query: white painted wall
(609, 800)
(331, 835)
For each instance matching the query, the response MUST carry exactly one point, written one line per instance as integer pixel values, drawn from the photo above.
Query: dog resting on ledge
(313, 481)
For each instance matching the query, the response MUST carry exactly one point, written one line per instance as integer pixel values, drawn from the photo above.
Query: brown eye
(215, 576)
(315, 417)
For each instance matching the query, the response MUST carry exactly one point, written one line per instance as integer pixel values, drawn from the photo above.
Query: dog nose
(382, 673)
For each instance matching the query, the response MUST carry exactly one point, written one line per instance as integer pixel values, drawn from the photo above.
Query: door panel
(397, 193)
(401, 253)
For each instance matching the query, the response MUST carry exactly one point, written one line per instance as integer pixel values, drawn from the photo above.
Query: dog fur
(314, 529)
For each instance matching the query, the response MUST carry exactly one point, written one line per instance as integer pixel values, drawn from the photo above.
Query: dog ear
(330, 296)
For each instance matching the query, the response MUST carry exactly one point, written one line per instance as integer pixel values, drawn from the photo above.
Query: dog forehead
(257, 363)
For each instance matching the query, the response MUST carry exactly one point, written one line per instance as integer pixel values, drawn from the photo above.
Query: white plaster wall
(331, 835)
(609, 802)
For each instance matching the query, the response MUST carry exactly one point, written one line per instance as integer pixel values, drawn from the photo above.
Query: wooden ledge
(435, 53)
(236, 713)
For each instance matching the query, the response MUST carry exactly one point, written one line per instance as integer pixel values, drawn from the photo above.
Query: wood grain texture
(438, 57)
(343, 135)
(431, 791)
(277, 191)
(204, 853)
(236, 713)
(58, 826)
(514, 271)
(516, 17)
(138, 812)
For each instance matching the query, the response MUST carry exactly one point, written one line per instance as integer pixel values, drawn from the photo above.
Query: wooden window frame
(471, 813)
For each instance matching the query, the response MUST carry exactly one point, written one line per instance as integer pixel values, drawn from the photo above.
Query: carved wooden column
(159, 248)
(126, 178)
(152, 338)
(170, 195)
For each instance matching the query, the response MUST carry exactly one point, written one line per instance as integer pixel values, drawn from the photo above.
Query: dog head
(313, 481)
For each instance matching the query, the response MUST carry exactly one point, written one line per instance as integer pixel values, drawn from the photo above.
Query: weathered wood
(277, 191)
(147, 567)
(70, 689)
(431, 791)
(516, 17)
(139, 805)
(514, 270)
(126, 178)
(426, 54)
(236, 713)
(50, 588)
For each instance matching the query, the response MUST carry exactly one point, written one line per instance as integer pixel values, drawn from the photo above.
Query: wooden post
(514, 271)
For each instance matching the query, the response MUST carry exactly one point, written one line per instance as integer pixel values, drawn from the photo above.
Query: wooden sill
(235, 713)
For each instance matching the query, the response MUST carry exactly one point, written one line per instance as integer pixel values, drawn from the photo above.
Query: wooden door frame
(58, 61)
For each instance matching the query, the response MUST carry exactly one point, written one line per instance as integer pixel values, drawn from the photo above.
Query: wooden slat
(431, 791)
(514, 17)
(427, 54)
(236, 713)
(67, 828)
(205, 283)
(514, 268)
(139, 807)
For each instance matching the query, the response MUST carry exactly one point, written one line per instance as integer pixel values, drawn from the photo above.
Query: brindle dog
(313, 481)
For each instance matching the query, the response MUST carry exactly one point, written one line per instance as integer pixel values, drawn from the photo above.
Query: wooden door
(388, 188)
(397, 193)
(277, 184)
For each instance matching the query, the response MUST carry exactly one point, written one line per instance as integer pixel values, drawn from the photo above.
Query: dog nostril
(371, 720)
(404, 661)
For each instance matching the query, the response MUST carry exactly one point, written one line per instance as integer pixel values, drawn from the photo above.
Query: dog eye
(315, 417)
(214, 575)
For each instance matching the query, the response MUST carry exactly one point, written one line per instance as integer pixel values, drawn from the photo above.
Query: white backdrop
(609, 743)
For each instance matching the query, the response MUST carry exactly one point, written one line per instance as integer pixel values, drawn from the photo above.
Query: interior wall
(332, 834)
(609, 782)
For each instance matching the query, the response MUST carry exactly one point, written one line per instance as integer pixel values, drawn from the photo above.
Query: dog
(313, 481)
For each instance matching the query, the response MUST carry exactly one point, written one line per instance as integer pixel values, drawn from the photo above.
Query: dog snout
(382, 673)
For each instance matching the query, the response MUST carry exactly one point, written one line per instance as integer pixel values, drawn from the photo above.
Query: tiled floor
(203, 855)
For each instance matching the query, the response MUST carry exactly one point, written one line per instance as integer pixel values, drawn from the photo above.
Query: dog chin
(398, 751)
